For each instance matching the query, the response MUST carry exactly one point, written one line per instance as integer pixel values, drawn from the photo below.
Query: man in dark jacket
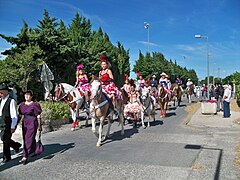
(8, 122)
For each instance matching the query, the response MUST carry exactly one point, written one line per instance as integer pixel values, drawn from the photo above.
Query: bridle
(97, 97)
(145, 97)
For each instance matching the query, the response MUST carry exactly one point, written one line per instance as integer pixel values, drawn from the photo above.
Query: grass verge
(237, 158)
(191, 109)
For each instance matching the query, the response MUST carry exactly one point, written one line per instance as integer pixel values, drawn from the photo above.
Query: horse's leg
(141, 113)
(93, 125)
(109, 127)
(153, 114)
(161, 109)
(149, 116)
(179, 100)
(121, 121)
(165, 109)
(74, 120)
(77, 113)
(100, 129)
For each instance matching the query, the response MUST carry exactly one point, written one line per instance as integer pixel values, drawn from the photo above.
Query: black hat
(4, 87)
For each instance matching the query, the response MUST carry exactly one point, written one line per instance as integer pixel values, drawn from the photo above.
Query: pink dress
(84, 84)
(132, 107)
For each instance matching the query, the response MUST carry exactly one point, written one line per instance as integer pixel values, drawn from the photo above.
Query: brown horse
(177, 93)
(190, 91)
(74, 98)
(125, 96)
(162, 99)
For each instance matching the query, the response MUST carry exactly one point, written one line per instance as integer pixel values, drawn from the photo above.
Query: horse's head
(144, 94)
(161, 90)
(59, 92)
(175, 90)
(96, 89)
(191, 89)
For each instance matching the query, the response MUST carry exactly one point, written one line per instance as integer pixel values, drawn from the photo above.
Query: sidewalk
(213, 121)
(217, 158)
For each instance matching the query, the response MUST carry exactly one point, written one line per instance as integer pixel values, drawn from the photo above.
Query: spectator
(31, 111)
(8, 122)
(226, 101)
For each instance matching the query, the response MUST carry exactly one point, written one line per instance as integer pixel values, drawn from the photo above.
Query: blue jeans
(226, 109)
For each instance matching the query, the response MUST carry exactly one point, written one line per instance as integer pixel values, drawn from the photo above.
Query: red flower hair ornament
(126, 76)
(103, 58)
(80, 66)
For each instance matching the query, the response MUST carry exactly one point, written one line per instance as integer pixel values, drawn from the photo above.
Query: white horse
(148, 108)
(75, 99)
(101, 108)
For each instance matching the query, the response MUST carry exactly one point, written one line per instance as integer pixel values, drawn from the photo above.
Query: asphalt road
(166, 150)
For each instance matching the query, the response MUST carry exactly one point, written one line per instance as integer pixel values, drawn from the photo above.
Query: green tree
(19, 68)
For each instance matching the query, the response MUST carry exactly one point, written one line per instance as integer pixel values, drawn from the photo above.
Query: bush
(54, 114)
(238, 94)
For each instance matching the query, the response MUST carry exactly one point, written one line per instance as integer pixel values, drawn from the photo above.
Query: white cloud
(146, 43)
(73, 9)
(185, 47)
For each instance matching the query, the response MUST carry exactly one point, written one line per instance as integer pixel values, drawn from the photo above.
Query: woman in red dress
(106, 78)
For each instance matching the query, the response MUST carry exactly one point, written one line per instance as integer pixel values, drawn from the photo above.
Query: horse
(177, 93)
(124, 95)
(74, 98)
(163, 99)
(148, 107)
(101, 108)
(190, 91)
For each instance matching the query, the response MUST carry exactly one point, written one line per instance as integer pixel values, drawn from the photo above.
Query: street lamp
(146, 26)
(199, 36)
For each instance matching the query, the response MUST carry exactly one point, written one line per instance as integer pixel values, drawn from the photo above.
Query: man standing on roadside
(226, 101)
(8, 122)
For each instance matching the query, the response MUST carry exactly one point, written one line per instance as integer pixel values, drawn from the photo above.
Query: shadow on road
(116, 136)
(50, 150)
(169, 114)
(219, 161)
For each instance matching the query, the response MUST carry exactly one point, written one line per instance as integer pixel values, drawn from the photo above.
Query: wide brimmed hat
(154, 76)
(225, 86)
(163, 74)
(4, 87)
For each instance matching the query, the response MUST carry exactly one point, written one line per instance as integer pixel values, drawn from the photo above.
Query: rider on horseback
(165, 82)
(141, 81)
(108, 86)
(82, 83)
(133, 107)
(179, 82)
(154, 84)
(189, 83)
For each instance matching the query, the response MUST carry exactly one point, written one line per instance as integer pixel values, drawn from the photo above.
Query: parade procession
(121, 90)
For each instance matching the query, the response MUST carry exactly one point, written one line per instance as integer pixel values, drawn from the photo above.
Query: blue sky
(173, 24)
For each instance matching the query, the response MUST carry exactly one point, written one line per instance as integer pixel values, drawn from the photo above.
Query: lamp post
(199, 36)
(146, 26)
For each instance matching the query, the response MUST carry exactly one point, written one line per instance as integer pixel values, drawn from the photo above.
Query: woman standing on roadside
(30, 124)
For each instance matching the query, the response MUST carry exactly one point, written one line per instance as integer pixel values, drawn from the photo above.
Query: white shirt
(227, 93)
(13, 111)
